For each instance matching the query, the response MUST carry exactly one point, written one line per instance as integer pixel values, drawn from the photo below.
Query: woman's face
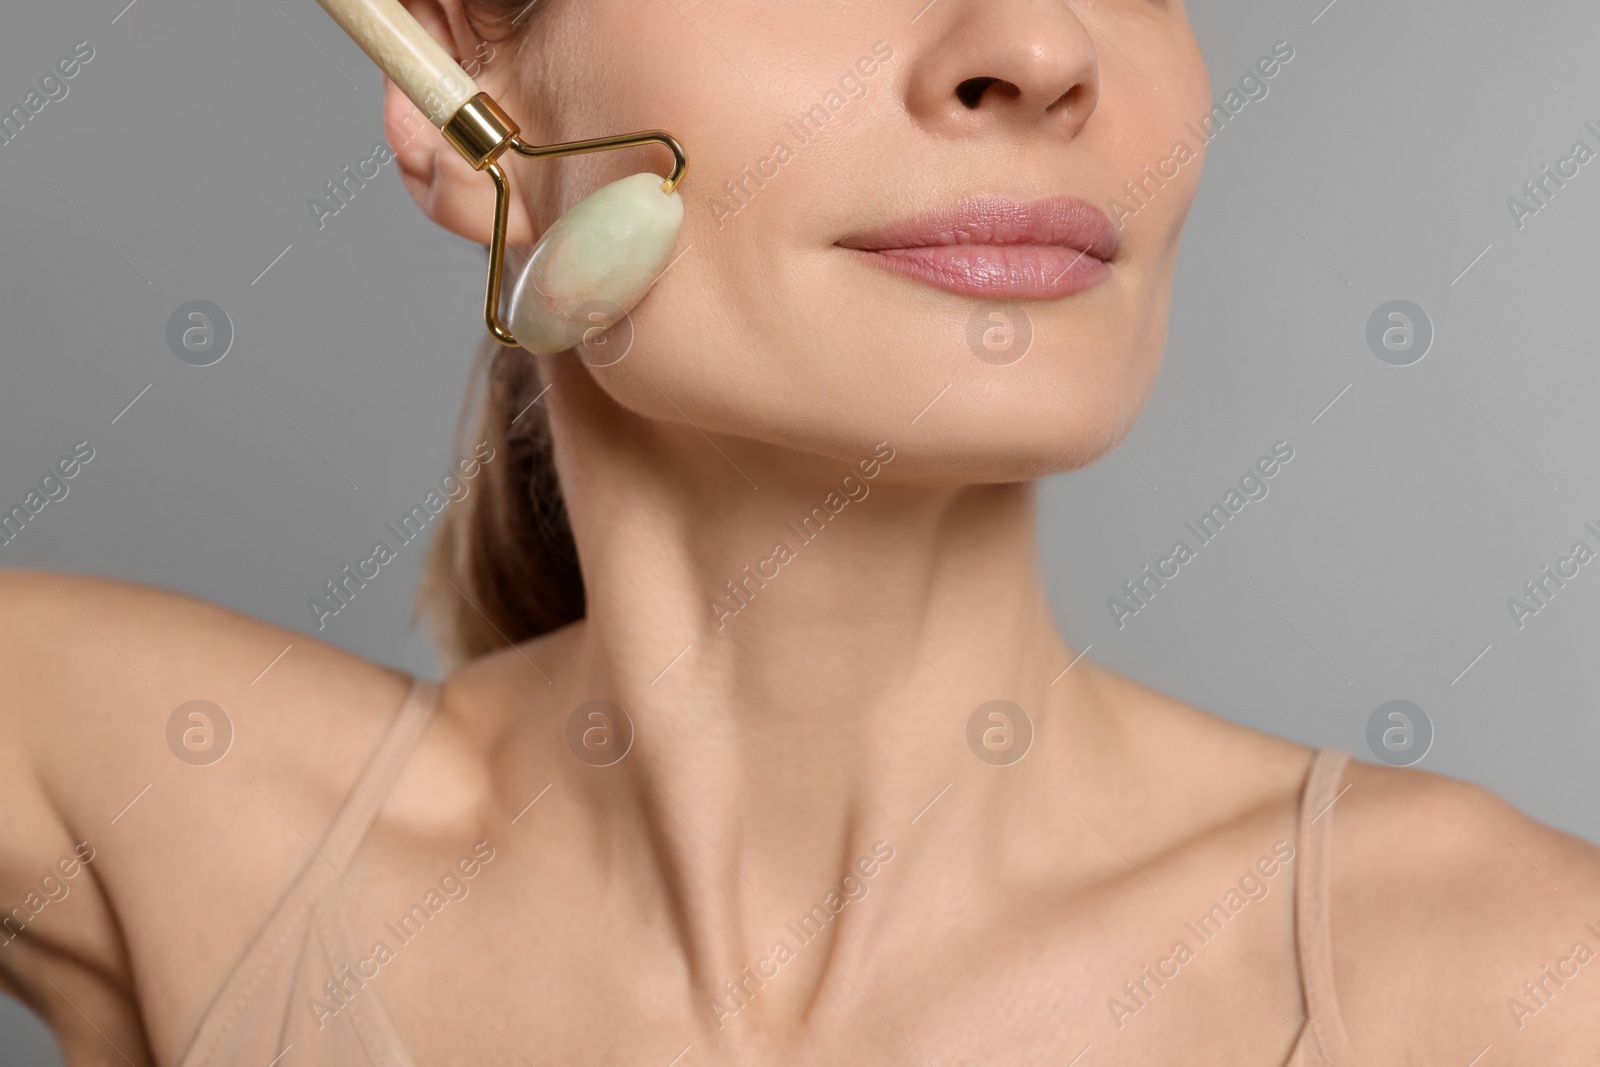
(855, 167)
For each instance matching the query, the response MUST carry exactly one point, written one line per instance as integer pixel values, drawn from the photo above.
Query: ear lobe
(443, 184)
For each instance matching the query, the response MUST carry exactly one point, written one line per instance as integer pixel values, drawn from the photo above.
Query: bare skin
(775, 751)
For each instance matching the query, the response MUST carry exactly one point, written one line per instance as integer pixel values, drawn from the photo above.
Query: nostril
(971, 91)
(1073, 98)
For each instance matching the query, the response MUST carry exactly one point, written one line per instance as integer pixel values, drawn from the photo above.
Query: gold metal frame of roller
(481, 132)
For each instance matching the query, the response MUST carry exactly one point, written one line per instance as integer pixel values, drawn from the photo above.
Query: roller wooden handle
(407, 53)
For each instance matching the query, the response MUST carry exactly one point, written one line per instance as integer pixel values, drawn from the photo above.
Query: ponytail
(503, 567)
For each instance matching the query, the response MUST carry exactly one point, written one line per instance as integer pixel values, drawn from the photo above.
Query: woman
(776, 756)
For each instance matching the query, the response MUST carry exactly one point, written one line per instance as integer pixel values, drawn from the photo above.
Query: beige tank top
(260, 1017)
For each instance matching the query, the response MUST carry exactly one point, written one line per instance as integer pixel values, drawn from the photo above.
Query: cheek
(763, 330)
(664, 71)
(1157, 143)
(716, 339)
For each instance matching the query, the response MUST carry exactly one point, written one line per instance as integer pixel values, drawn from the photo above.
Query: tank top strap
(366, 797)
(1324, 1027)
(306, 936)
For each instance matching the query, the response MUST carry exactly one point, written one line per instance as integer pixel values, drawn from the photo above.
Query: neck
(799, 652)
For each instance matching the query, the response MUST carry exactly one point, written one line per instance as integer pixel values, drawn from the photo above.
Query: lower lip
(1020, 272)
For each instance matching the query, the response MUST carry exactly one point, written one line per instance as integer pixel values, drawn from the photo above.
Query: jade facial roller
(595, 262)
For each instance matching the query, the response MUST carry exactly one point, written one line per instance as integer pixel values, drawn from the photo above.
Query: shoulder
(1458, 922)
(1209, 772)
(48, 618)
(100, 665)
(146, 732)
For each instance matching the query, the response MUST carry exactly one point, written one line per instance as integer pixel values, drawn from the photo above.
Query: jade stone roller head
(595, 262)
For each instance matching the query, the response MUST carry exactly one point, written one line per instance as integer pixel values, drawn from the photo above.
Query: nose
(988, 65)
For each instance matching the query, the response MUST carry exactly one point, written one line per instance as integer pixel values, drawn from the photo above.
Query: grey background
(1377, 168)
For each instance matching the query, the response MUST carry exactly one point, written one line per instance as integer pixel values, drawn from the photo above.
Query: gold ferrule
(480, 130)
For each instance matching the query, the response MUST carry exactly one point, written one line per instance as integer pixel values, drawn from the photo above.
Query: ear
(443, 184)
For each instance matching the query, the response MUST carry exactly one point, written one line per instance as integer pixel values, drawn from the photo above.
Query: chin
(978, 432)
(1025, 439)
(1068, 402)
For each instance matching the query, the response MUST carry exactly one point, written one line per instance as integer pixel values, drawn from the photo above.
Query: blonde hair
(503, 567)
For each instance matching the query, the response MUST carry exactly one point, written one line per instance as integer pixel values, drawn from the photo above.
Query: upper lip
(1060, 221)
